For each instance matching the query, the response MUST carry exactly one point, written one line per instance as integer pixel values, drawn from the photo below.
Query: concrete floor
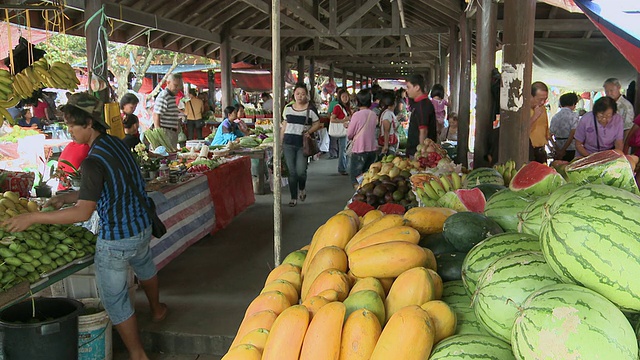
(209, 286)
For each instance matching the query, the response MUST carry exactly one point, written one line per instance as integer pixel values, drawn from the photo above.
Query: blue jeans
(112, 259)
(297, 164)
(342, 154)
(359, 163)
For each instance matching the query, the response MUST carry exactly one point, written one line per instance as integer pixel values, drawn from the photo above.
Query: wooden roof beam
(552, 15)
(356, 15)
(356, 32)
(391, 50)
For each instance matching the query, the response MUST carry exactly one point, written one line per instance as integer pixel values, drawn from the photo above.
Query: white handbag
(338, 129)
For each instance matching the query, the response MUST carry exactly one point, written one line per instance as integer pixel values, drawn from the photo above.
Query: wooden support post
(283, 75)
(454, 67)
(97, 55)
(301, 68)
(211, 85)
(464, 99)
(277, 118)
(432, 78)
(516, 80)
(444, 71)
(312, 79)
(345, 78)
(225, 71)
(486, 20)
(355, 91)
(331, 72)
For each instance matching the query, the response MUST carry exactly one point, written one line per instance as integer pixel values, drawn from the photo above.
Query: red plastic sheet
(231, 189)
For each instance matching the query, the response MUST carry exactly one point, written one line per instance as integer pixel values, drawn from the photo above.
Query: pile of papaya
(364, 288)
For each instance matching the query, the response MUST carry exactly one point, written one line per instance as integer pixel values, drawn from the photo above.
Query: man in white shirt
(625, 108)
(267, 102)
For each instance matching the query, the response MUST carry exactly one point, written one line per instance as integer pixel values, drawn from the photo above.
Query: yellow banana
(28, 73)
(12, 101)
(428, 190)
(438, 188)
(446, 184)
(59, 70)
(5, 114)
(456, 181)
(463, 178)
(43, 74)
(17, 89)
(5, 89)
(25, 84)
(57, 81)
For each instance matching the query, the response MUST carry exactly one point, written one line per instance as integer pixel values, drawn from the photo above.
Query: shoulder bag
(349, 149)
(393, 138)
(309, 143)
(338, 129)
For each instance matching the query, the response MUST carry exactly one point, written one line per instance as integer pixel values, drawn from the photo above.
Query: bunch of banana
(508, 171)
(6, 81)
(433, 190)
(62, 76)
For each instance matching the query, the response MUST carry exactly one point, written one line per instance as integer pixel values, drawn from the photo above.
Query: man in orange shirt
(538, 123)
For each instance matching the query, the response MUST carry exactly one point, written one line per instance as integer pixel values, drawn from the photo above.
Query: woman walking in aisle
(388, 139)
(299, 120)
(440, 105)
(362, 131)
(338, 128)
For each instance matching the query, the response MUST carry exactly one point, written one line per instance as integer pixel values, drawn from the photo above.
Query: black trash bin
(54, 336)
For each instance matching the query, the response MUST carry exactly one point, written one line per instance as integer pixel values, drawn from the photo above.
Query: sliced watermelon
(536, 179)
(464, 200)
(390, 208)
(605, 167)
(360, 207)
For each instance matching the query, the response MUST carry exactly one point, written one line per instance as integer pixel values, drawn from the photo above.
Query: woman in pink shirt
(362, 131)
(440, 105)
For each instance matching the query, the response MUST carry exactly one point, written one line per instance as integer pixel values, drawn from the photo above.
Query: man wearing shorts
(110, 180)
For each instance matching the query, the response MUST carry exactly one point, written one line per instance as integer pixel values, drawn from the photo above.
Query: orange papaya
(386, 260)
(396, 233)
(286, 334)
(322, 340)
(443, 318)
(260, 320)
(330, 257)
(359, 335)
(408, 335)
(412, 287)
(427, 220)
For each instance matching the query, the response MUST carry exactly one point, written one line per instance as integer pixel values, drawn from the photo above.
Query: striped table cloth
(188, 213)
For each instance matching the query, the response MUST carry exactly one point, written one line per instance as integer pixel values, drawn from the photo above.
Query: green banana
(456, 181)
(430, 192)
(446, 184)
(438, 188)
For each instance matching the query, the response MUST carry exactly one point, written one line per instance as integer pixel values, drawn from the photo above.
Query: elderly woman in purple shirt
(601, 129)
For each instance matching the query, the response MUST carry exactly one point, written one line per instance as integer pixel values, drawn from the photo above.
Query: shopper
(601, 129)
(388, 139)
(612, 88)
(131, 125)
(339, 122)
(231, 127)
(28, 120)
(563, 127)
(194, 109)
(362, 131)
(450, 133)
(267, 102)
(165, 112)
(298, 120)
(422, 123)
(538, 123)
(125, 224)
(440, 106)
(128, 104)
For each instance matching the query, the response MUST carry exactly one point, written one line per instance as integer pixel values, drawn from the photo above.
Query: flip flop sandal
(302, 195)
(293, 203)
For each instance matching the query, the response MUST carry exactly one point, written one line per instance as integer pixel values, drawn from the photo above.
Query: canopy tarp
(619, 21)
(579, 64)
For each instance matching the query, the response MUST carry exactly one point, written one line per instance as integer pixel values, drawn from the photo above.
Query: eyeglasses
(602, 116)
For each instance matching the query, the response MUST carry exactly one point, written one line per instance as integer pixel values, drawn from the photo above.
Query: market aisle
(209, 286)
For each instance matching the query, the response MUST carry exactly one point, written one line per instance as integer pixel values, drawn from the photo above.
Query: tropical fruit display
(544, 269)
(388, 190)
(39, 250)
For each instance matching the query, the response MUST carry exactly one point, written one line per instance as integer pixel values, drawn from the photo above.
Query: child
(440, 105)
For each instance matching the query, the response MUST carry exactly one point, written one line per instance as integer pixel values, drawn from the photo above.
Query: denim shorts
(112, 260)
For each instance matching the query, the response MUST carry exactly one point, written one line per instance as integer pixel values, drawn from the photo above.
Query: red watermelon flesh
(536, 179)
(464, 200)
(605, 167)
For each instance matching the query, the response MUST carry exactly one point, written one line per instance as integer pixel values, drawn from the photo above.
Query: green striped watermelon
(605, 167)
(492, 249)
(531, 217)
(455, 295)
(590, 236)
(566, 321)
(536, 179)
(481, 176)
(504, 206)
(472, 347)
(504, 286)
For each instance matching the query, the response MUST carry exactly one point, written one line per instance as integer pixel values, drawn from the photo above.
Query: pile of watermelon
(550, 270)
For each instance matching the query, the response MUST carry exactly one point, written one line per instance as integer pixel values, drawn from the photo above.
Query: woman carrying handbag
(299, 121)
(338, 128)
(388, 139)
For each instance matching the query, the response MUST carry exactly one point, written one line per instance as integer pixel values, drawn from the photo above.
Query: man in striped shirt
(113, 185)
(165, 112)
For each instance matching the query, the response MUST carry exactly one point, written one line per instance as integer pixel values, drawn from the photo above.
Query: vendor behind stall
(28, 120)
(231, 127)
